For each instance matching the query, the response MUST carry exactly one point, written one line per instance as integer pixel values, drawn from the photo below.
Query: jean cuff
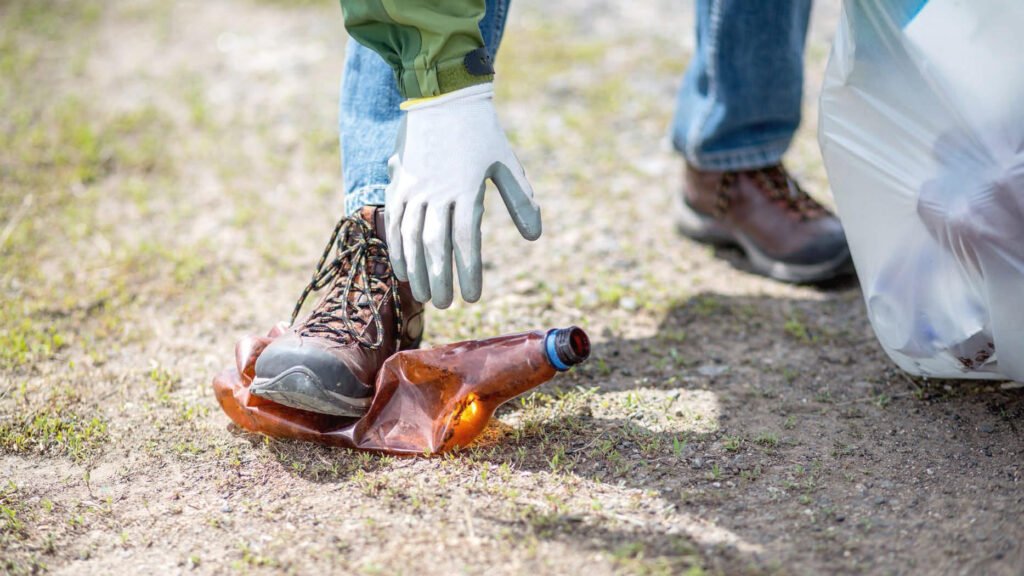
(748, 158)
(372, 195)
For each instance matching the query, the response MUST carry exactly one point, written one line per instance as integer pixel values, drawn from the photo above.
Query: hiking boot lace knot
(360, 279)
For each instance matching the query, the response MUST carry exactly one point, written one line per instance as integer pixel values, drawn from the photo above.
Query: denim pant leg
(370, 116)
(739, 104)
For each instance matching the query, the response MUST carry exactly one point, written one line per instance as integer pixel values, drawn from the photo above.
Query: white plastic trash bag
(922, 131)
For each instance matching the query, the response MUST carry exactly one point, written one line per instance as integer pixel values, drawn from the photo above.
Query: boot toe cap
(299, 373)
(826, 247)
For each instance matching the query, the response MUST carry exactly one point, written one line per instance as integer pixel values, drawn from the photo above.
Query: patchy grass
(141, 235)
(11, 512)
(796, 329)
(24, 340)
(767, 439)
(58, 428)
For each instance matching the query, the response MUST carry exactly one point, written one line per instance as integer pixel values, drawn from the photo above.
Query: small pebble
(712, 370)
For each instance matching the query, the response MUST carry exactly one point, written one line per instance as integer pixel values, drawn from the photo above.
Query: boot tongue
(374, 216)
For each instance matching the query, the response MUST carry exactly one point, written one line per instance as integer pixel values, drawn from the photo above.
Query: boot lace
(785, 191)
(778, 186)
(355, 272)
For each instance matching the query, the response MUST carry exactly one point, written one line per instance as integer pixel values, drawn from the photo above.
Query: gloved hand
(447, 148)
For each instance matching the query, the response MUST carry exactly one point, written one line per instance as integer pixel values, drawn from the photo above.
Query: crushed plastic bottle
(426, 401)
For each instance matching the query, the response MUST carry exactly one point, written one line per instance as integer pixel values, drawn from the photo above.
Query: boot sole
(705, 229)
(299, 387)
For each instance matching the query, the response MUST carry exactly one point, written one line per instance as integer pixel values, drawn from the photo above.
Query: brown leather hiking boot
(785, 234)
(328, 362)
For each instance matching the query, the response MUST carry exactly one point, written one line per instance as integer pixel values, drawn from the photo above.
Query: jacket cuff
(447, 76)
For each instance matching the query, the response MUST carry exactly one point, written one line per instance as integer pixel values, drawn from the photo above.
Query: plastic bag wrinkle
(922, 132)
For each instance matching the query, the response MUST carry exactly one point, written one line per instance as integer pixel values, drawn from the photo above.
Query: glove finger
(437, 246)
(412, 250)
(394, 212)
(517, 193)
(466, 242)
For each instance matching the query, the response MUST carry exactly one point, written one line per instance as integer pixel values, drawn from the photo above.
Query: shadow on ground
(755, 418)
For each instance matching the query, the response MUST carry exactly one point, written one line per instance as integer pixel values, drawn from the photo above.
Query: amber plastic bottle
(427, 401)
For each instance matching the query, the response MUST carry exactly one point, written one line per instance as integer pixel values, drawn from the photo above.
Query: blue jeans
(737, 109)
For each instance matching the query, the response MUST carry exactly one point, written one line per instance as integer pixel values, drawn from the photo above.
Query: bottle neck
(566, 347)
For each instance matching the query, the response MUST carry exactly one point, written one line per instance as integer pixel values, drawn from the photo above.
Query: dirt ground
(168, 176)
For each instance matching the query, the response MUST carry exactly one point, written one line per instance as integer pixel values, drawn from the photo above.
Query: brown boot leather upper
(785, 233)
(328, 361)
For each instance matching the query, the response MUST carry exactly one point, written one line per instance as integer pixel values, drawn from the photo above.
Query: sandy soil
(168, 176)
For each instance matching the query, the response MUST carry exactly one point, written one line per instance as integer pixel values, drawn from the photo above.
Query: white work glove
(447, 148)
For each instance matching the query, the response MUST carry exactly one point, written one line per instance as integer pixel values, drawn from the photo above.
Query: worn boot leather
(785, 234)
(328, 361)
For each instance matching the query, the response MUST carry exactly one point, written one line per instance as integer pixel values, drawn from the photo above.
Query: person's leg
(738, 109)
(739, 103)
(368, 126)
(370, 115)
(327, 361)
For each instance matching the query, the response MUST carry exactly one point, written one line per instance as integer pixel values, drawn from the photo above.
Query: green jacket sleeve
(434, 46)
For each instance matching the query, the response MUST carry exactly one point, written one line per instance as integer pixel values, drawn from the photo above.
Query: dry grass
(155, 158)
